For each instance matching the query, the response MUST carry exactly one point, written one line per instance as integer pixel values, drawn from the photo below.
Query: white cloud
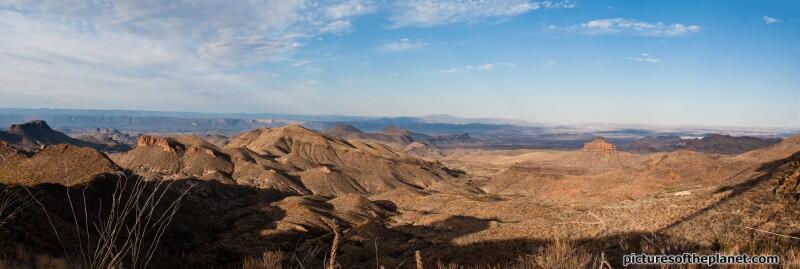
(488, 67)
(427, 13)
(449, 70)
(349, 9)
(550, 63)
(404, 44)
(770, 20)
(646, 58)
(630, 27)
(337, 27)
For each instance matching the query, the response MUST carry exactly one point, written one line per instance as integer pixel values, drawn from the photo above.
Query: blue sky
(732, 63)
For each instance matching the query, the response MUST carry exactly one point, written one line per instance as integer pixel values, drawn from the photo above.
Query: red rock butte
(600, 145)
(150, 140)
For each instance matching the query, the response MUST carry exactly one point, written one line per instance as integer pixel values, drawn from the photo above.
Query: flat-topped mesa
(599, 145)
(151, 140)
(34, 125)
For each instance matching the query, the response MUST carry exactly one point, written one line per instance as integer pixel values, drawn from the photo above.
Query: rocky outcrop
(600, 145)
(166, 144)
(113, 139)
(182, 156)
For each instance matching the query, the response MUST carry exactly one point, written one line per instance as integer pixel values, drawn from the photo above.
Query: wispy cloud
(260, 31)
(427, 13)
(65, 60)
(645, 58)
(770, 20)
(404, 44)
(625, 26)
(487, 67)
(450, 70)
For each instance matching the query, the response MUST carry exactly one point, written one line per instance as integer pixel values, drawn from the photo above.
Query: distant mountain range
(442, 130)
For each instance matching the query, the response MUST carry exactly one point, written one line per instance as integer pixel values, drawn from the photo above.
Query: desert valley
(283, 195)
(399, 134)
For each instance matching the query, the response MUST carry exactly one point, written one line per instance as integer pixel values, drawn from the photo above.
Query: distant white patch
(770, 20)
(449, 70)
(428, 13)
(682, 193)
(488, 67)
(645, 57)
(630, 27)
(403, 44)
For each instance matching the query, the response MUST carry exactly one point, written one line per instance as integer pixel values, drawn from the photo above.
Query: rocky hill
(389, 135)
(778, 151)
(63, 164)
(599, 145)
(713, 143)
(217, 139)
(183, 156)
(36, 134)
(320, 159)
(761, 208)
(650, 144)
(290, 159)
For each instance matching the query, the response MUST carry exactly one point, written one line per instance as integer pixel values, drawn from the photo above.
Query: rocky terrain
(113, 139)
(289, 191)
(419, 145)
(713, 143)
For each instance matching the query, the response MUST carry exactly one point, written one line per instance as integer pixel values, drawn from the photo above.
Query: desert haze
(446, 134)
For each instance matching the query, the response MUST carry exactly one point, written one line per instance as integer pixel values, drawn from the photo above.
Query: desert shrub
(124, 230)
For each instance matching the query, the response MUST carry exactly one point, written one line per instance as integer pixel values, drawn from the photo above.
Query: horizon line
(511, 120)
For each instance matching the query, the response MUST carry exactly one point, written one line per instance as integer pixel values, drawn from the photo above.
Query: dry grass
(12, 202)
(127, 232)
(418, 259)
(334, 245)
(268, 260)
(560, 254)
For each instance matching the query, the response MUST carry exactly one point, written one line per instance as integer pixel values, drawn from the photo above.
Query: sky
(721, 63)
